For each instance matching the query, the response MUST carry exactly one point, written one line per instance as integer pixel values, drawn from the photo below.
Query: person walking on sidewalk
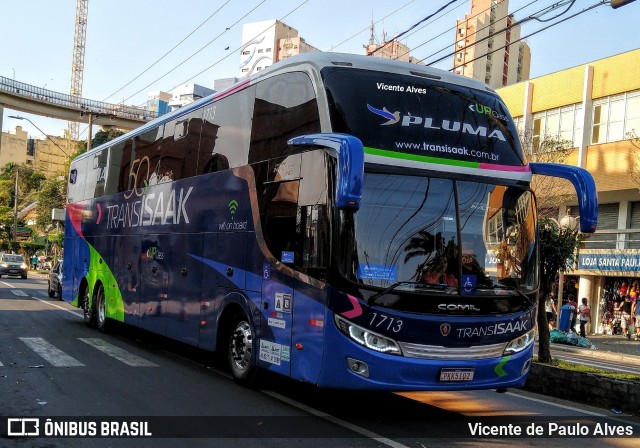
(573, 307)
(635, 313)
(625, 316)
(550, 309)
(584, 314)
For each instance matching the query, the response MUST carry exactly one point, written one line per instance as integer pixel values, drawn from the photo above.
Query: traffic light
(618, 3)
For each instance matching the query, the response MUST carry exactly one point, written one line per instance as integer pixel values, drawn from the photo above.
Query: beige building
(487, 47)
(597, 107)
(47, 155)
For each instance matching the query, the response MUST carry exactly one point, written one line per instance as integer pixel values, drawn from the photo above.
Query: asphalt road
(54, 367)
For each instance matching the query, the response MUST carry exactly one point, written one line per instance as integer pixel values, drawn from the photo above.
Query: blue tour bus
(345, 221)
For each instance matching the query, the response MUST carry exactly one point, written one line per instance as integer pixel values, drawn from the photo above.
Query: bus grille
(452, 353)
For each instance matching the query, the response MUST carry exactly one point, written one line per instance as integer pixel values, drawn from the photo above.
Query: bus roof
(319, 60)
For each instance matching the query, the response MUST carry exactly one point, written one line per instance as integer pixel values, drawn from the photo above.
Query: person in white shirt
(584, 314)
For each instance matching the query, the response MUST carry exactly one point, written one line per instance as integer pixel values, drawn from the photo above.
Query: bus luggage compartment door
(274, 344)
(154, 276)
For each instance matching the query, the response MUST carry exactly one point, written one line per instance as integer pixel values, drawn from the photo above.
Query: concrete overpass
(37, 100)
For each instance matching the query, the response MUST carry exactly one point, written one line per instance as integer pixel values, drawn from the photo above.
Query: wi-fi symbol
(233, 205)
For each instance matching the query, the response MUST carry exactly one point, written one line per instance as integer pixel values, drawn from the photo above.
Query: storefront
(604, 277)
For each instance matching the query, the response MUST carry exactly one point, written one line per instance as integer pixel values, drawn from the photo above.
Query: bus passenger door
(126, 266)
(154, 276)
(185, 283)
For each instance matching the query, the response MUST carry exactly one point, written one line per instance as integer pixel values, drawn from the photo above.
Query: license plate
(456, 374)
(13, 271)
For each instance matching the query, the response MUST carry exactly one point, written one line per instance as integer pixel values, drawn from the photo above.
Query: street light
(17, 117)
(571, 222)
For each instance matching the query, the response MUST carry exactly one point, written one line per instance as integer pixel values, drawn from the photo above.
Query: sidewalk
(608, 347)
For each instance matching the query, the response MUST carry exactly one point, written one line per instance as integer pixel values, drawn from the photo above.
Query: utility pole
(618, 3)
(15, 208)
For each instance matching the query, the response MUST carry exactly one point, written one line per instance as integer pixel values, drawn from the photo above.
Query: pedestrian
(572, 307)
(34, 261)
(550, 309)
(625, 316)
(635, 312)
(584, 314)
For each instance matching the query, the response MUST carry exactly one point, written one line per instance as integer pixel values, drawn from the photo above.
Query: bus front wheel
(241, 355)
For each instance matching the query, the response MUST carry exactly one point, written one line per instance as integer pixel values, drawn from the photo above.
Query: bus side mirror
(349, 152)
(585, 186)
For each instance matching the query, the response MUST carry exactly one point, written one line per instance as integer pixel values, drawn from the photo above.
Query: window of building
(632, 124)
(615, 117)
(560, 124)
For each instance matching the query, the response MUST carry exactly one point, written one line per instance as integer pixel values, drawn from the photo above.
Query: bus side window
(114, 165)
(292, 197)
(96, 174)
(285, 107)
(278, 202)
(225, 130)
(128, 156)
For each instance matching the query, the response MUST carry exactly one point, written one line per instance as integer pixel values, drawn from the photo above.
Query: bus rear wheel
(102, 322)
(88, 309)
(241, 354)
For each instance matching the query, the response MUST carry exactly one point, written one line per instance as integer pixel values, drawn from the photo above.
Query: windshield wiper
(417, 285)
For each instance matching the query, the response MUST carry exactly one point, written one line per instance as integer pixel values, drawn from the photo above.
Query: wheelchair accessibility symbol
(469, 283)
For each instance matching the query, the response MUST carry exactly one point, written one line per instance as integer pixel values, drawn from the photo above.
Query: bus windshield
(463, 237)
(416, 118)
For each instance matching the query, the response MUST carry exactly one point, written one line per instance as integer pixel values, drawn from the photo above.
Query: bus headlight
(520, 343)
(368, 338)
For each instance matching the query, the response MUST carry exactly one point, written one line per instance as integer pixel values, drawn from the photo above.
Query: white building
(266, 42)
(187, 93)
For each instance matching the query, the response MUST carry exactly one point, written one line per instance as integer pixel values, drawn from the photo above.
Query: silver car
(13, 265)
(55, 280)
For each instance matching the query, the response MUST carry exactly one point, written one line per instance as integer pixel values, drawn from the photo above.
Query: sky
(127, 40)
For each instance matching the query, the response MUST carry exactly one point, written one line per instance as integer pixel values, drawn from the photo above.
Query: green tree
(558, 250)
(100, 138)
(29, 182)
(52, 195)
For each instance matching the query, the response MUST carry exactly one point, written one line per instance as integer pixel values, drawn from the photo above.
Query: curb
(598, 353)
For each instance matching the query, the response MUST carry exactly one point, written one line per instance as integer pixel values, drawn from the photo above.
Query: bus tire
(88, 308)
(100, 307)
(241, 353)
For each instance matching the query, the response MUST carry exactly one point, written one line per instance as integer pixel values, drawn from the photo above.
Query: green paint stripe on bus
(418, 158)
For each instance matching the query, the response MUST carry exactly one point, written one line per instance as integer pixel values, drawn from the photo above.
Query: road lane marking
(75, 313)
(51, 353)
(335, 420)
(116, 352)
(19, 293)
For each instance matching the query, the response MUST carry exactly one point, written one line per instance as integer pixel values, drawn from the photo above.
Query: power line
(365, 29)
(167, 53)
(491, 35)
(454, 27)
(415, 25)
(601, 3)
(198, 51)
(238, 48)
